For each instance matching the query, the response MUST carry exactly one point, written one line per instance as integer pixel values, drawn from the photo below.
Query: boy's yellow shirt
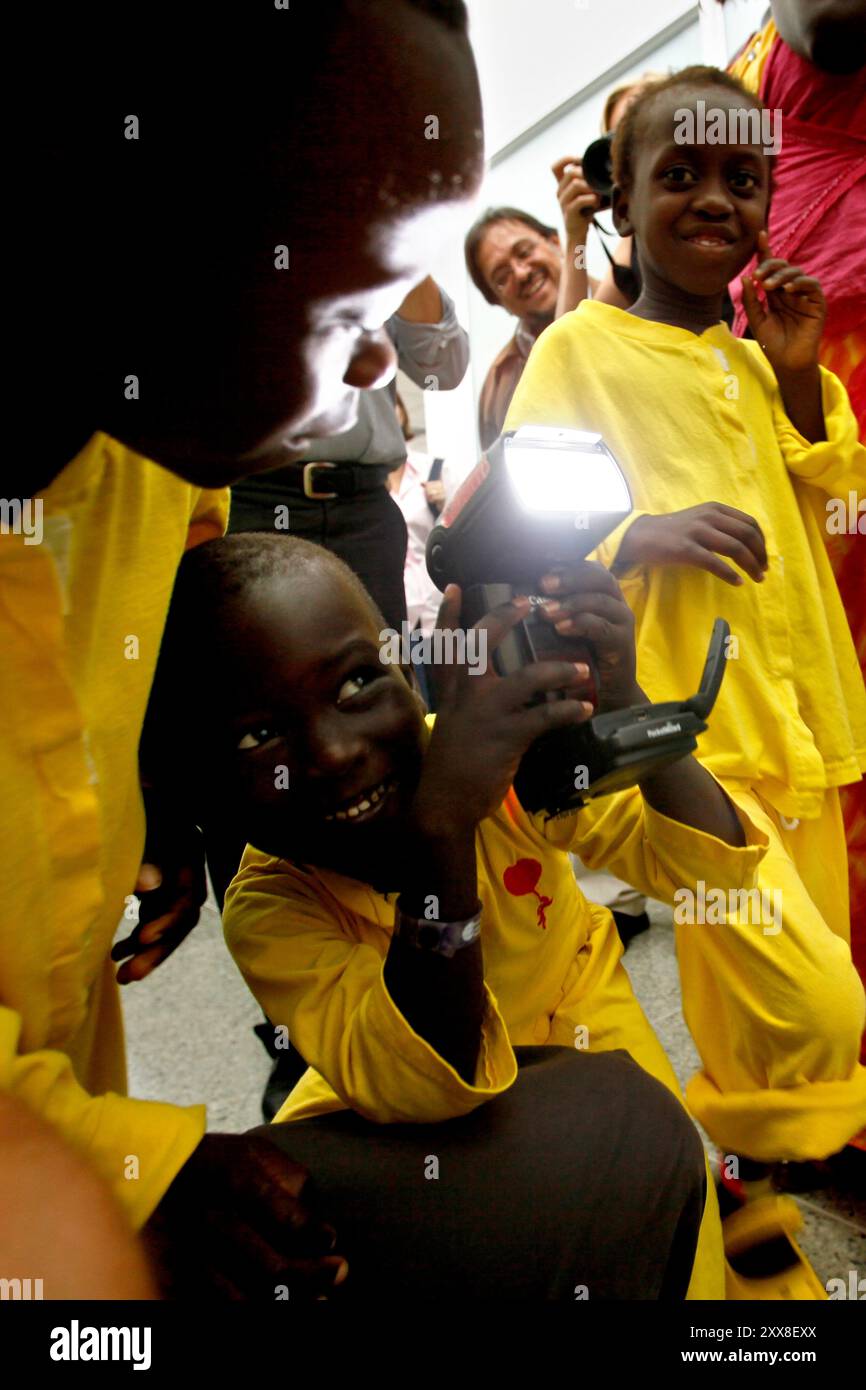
(700, 419)
(311, 945)
(81, 619)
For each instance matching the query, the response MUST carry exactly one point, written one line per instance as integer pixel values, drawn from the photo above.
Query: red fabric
(818, 220)
(818, 205)
(847, 358)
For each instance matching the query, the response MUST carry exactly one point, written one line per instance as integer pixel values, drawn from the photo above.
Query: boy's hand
(697, 536)
(586, 602)
(577, 201)
(485, 723)
(172, 885)
(236, 1223)
(789, 325)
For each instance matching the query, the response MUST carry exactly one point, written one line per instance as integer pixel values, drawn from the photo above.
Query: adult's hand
(434, 491)
(172, 886)
(238, 1222)
(577, 201)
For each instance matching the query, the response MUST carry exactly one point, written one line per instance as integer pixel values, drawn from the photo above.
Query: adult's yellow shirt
(82, 610)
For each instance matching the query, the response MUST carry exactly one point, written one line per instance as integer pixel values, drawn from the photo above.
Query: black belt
(323, 482)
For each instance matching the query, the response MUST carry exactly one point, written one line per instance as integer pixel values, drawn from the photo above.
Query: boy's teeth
(367, 801)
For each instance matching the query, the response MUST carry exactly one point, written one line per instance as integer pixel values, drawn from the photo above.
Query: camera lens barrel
(597, 167)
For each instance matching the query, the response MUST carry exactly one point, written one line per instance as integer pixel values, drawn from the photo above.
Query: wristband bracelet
(437, 938)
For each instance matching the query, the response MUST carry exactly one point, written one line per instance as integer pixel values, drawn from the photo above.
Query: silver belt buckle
(309, 483)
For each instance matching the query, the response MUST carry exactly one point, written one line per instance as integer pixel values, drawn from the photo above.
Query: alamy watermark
(846, 516)
(21, 1289)
(22, 517)
(77, 1343)
(737, 126)
(744, 906)
(444, 647)
(854, 1289)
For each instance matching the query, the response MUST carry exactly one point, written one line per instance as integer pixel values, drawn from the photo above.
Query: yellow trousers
(775, 1005)
(771, 998)
(603, 1002)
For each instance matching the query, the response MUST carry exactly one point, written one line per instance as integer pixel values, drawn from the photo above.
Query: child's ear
(620, 211)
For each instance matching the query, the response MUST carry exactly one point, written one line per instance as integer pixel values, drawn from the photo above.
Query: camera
(598, 169)
(543, 497)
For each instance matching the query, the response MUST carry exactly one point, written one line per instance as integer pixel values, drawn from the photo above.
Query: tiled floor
(189, 1032)
(190, 1040)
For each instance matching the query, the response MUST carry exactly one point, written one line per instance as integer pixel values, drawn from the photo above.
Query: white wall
(535, 57)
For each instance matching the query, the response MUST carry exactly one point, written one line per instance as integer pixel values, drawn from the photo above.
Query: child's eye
(256, 738)
(679, 175)
(744, 179)
(359, 681)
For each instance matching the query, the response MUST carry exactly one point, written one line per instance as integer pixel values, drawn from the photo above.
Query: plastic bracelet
(439, 938)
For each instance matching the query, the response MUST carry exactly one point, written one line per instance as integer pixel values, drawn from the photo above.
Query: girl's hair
(631, 127)
(614, 97)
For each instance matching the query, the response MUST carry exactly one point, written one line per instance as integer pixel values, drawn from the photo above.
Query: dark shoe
(285, 1075)
(289, 1066)
(629, 925)
(844, 1171)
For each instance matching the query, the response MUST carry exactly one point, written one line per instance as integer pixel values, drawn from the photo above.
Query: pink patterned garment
(818, 203)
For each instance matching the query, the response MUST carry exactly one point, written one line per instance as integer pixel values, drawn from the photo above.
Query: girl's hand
(789, 324)
(697, 536)
(485, 723)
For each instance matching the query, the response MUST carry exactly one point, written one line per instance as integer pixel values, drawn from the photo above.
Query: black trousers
(585, 1180)
(367, 531)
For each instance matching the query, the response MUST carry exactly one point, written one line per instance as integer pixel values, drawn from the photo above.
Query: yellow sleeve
(607, 550)
(836, 465)
(624, 835)
(138, 1146)
(328, 990)
(209, 517)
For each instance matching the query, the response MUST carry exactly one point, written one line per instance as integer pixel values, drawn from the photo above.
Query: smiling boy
(401, 915)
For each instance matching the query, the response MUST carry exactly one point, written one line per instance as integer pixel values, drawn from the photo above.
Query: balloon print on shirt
(520, 879)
